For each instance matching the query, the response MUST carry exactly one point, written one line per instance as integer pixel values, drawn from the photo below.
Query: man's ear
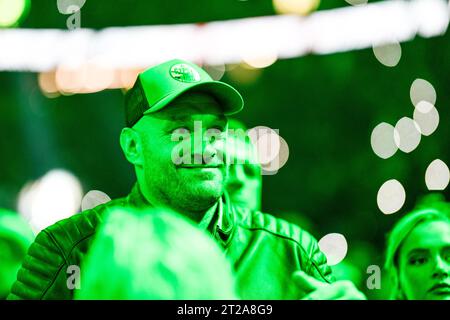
(131, 144)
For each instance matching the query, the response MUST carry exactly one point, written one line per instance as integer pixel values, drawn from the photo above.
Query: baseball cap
(156, 87)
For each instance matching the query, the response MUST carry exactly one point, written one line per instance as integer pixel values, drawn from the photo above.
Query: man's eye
(218, 129)
(215, 134)
(417, 261)
(251, 170)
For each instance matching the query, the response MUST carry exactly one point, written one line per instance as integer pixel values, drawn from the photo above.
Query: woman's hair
(399, 233)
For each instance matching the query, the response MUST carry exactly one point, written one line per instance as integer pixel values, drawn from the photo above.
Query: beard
(186, 189)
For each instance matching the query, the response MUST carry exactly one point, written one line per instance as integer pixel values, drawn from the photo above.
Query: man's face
(180, 132)
(424, 262)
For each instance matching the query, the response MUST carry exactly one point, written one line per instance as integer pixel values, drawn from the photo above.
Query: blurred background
(326, 74)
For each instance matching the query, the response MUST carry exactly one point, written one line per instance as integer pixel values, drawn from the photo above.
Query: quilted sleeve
(318, 267)
(43, 272)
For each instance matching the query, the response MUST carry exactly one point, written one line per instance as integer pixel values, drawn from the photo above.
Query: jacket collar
(226, 221)
(225, 216)
(136, 198)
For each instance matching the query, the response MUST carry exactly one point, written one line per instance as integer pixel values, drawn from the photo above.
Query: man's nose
(203, 150)
(200, 142)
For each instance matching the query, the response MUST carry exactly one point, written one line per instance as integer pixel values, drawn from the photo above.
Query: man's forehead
(197, 97)
(194, 103)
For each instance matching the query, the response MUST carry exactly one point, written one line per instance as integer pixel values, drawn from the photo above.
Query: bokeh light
(94, 198)
(391, 197)
(266, 142)
(422, 90)
(47, 84)
(424, 106)
(334, 246)
(407, 134)
(280, 160)
(89, 78)
(427, 121)
(70, 79)
(356, 2)
(215, 71)
(69, 6)
(55, 196)
(437, 175)
(260, 61)
(388, 54)
(382, 140)
(128, 77)
(300, 7)
(97, 78)
(242, 75)
(12, 11)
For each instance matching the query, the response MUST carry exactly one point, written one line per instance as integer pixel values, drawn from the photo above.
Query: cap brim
(228, 98)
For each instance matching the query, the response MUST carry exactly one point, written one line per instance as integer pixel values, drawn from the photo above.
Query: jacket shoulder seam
(60, 267)
(76, 243)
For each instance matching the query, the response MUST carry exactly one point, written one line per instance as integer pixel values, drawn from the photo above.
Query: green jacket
(263, 249)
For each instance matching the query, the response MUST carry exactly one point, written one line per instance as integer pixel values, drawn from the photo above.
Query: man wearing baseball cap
(176, 125)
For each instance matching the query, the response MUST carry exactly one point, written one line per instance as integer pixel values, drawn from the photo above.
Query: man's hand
(317, 290)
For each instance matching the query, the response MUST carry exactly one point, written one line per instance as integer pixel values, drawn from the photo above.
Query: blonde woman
(418, 256)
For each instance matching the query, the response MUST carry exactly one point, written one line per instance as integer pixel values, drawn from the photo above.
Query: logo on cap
(184, 73)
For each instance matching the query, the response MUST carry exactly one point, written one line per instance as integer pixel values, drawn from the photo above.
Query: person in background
(15, 238)
(154, 254)
(418, 256)
(244, 182)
